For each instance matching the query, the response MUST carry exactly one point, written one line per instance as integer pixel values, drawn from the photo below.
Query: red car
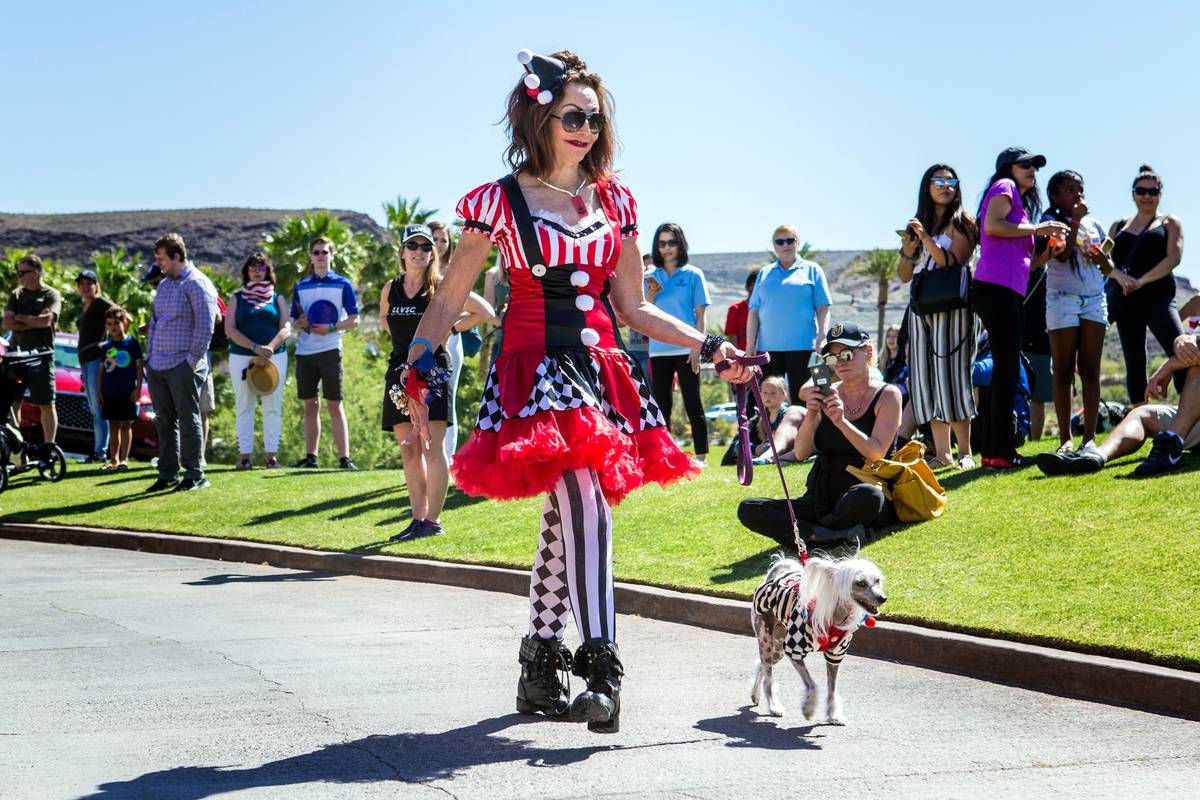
(74, 419)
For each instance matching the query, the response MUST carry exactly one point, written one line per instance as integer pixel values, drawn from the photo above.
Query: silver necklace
(576, 200)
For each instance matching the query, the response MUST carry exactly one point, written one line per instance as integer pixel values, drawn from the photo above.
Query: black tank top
(404, 314)
(828, 479)
(1150, 252)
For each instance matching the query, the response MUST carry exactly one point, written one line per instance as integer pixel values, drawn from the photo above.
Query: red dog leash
(745, 456)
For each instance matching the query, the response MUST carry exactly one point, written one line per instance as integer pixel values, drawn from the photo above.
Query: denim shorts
(1067, 309)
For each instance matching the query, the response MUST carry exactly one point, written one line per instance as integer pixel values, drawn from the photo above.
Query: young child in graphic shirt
(120, 384)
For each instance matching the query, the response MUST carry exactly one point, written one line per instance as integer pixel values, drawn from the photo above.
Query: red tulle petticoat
(528, 455)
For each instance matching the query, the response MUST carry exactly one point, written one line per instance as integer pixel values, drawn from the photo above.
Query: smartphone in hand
(822, 377)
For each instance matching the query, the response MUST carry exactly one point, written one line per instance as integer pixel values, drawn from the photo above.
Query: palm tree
(287, 246)
(880, 265)
(403, 213)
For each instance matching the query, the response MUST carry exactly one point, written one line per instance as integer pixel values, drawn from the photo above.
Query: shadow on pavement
(233, 577)
(748, 729)
(414, 758)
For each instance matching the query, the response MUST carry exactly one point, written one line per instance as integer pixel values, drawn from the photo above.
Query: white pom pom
(589, 337)
(579, 278)
(532, 81)
(584, 302)
(524, 56)
(545, 98)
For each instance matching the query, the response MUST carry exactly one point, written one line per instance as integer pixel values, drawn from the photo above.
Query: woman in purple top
(1006, 247)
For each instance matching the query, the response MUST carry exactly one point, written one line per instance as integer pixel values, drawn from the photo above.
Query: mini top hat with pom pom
(543, 75)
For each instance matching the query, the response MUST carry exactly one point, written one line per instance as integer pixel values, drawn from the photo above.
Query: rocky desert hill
(221, 237)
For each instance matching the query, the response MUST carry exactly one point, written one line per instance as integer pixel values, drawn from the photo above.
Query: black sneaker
(308, 462)
(162, 483)
(187, 485)
(1166, 454)
(1085, 460)
(345, 463)
(421, 530)
(404, 534)
(831, 536)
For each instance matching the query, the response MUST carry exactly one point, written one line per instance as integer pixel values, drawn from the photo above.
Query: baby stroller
(47, 459)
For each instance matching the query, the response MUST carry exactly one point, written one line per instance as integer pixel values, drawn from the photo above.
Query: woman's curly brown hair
(530, 149)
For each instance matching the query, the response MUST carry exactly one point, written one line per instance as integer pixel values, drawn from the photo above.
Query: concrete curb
(1108, 680)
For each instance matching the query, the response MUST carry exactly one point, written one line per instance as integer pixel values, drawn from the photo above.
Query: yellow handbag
(907, 481)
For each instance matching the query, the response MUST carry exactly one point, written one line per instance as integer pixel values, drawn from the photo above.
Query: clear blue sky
(733, 116)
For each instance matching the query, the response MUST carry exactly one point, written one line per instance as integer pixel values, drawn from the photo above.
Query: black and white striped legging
(573, 567)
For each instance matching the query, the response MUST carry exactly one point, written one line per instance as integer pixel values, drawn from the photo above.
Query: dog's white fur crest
(830, 582)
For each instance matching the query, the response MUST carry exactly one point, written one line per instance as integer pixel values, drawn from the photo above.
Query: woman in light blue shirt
(789, 305)
(679, 289)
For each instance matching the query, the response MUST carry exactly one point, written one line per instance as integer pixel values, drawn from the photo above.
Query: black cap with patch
(1012, 155)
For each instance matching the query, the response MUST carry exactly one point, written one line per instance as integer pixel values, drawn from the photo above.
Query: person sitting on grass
(1173, 428)
(119, 384)
(855, 423)
(783, 425)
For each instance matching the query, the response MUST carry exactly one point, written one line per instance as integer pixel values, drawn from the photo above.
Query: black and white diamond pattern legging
(573, 567)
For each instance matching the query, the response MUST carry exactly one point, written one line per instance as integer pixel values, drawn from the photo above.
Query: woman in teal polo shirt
(258, 326)
(679, 289)
(789, 304)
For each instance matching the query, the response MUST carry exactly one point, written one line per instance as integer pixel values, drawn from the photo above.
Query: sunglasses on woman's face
(318, 253)
(787, 241)
(940, 182)
(668, 243)
(845, 355)
(1027, 165)
(572, 121)
(414, 246)
(1143, 191)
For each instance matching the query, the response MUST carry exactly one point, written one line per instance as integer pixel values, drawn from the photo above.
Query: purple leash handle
(745, 457)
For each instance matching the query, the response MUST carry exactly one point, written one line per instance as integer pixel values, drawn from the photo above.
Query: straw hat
(262, 380)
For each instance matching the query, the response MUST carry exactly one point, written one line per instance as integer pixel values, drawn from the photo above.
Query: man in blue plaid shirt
(181, 327)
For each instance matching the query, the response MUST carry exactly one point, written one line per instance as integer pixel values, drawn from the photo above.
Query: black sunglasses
(782, 242)
(1027, 165)
(1142, 191)
(574, 120)
(320, 252)
(414, 246)
(668, 243)
(26, 271)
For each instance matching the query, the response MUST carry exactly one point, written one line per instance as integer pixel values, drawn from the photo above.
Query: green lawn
(1102, 563)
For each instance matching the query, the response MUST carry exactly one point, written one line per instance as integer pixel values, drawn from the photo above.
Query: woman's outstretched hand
(418, 413)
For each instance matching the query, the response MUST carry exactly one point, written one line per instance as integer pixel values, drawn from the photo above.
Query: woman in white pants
(257, 324)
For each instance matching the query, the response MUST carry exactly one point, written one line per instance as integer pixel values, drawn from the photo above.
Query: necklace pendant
(580, 207)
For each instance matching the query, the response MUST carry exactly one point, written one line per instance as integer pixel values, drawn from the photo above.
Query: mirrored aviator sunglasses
(940, 182)
(572, 121)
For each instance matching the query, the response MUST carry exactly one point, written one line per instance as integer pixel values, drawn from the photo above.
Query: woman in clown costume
(566, 411)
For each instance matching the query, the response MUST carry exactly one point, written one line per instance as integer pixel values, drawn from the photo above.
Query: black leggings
(794, 365)
(864, 504)
(663, 370)
(1000, 309)
(1160, 316)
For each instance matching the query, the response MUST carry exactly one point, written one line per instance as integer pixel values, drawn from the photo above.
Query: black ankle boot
(538, 688)
(599, 661)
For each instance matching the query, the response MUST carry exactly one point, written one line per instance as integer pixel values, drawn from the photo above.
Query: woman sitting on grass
(855, 423)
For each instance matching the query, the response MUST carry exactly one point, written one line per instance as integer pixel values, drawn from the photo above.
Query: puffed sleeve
(626, 208)
(484, 210)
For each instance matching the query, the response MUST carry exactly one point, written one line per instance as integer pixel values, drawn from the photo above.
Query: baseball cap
(848, 333)
(87, 275)
(154, 272)
(412, 231)
(1011, 155)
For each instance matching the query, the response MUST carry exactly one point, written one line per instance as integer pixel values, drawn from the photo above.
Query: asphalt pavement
(130, 675)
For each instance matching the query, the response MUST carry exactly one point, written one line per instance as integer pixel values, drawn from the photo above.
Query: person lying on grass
(1173, 428)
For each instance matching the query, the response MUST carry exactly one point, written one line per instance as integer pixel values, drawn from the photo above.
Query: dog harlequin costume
(779, 599)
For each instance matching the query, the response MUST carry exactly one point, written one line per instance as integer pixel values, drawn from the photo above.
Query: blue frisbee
(322, 312)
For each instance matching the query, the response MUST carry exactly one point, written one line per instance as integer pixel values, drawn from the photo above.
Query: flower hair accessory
(543, 75)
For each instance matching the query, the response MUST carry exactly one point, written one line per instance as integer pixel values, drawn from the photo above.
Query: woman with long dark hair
(679, 289)
(1148, 248)
(1006, 249)
(566, 411)
(941, 346)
